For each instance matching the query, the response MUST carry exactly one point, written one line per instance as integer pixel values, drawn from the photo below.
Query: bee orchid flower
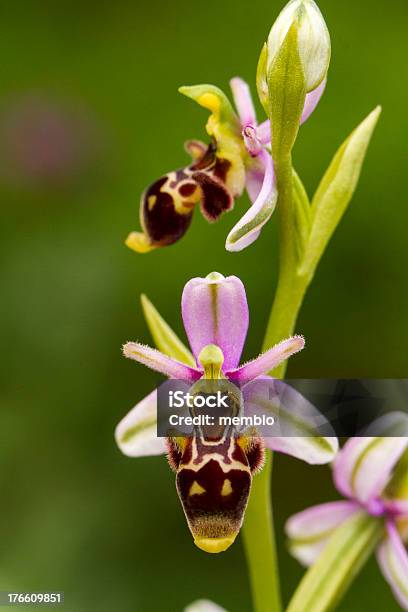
(213, 479)
(365, 472)
(237, 157)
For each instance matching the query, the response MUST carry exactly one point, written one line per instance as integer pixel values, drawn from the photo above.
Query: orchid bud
(313, 40)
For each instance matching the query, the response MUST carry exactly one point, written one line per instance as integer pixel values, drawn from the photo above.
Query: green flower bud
(312, 37)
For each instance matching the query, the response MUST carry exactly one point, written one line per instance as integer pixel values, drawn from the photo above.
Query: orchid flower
(238, 156)
(364, 471)
(214, 479)
(204, 605)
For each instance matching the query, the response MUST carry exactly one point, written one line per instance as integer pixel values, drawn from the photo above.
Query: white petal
(300, 430)
(136, 434)
(248, 227)
(309, 531)
(313, 39)
(364, 466)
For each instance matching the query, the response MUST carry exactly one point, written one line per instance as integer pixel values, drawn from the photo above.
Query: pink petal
(252, 143)
(364, 466)
(136, 434)
(243, 101)
(397, 506)
(255, 176)
(393, 561)
(215, 311)
(248, 227)
(312, 100)
(309, 531)
(266, 361)
(161, 363)
(264, 132)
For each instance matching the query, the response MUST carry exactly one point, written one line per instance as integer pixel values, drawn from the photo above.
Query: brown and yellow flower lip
(213, 483)
(167, 205)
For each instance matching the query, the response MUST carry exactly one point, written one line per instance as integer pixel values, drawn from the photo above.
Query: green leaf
(286, 95)
(165, 339)
(302, 215)
(336, 190)
(346, 552)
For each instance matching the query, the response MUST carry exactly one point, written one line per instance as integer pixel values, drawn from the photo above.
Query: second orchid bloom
(371, 473)
(237, 158)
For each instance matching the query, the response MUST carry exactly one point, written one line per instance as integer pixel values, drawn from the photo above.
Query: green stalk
(259, 542)
(258, 530)
(292, 286)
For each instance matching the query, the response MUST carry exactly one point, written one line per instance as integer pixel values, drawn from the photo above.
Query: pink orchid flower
(363, 471)
(238, 157)
(213, 479)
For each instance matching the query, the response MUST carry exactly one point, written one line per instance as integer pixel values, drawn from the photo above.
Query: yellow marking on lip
(196, 489)
(139, 242)
(214, 545)
(226, 488)
(151, 201)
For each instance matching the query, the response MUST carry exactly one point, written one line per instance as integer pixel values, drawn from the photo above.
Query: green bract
(287, 94)
(336, 190)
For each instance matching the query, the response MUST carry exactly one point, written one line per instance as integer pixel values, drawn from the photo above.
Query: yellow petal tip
(214, 545)
(137, 241)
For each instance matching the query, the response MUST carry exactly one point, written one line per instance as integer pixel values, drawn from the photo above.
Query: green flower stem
(348, 549)
(259, 542)
(258, 530)
(286, 307)
(292, 286)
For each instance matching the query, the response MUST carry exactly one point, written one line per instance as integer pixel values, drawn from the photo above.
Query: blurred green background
(90, 115)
